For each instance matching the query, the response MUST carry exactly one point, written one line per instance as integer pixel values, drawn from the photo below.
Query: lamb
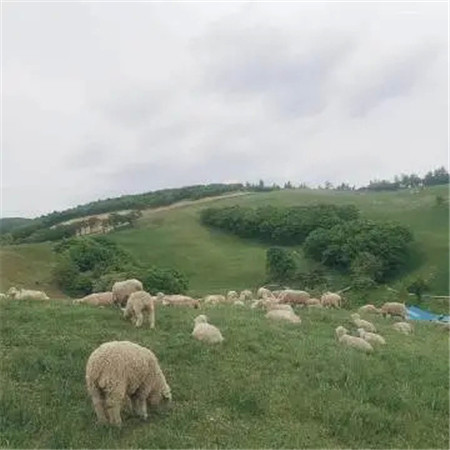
(394, 309)
(232, 296)
(403, 327)
(215, 299)
(138, 304)
(180, 300)
(280, 314)
(352, 341)
(371, 309)
(123, 289)
(205, 332)
(371, 338)
(264, 293)
(96, 299)
(245, 295)
(360, 323)
(26, 294)
(294, 297)
(119, 370)
(331, 299)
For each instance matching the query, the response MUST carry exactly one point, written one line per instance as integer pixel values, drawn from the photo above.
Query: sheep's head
(361, 332)
(355, 316)
(200, 319)
(340, 331)
(12, 292)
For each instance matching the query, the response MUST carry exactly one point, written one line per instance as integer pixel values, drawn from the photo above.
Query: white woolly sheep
(180, 300)
(294, 297)
(26, 294)
(264, 293)
(119, 370)
(96, 299)
(238, 303)
(3, 296)
(245, 295)
(331, 299)
(280, 314)
(313, 302)
(403, 327)
(360, 323)
(232, 296)
(215, 299)
(205, 332)
(394, 309)
(370, 309)
(273, 306)
(123, 289)
(138, 304)
(371, 338)
(352, 341)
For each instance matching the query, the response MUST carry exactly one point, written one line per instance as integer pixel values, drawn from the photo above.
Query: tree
(280, 264)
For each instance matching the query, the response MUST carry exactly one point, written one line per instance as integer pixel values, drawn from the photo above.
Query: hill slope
(269, 385)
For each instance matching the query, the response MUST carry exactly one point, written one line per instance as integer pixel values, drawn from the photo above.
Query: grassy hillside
(268, 385)
(9, 223)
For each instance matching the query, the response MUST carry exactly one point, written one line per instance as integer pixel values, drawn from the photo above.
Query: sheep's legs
(152, 318)
(113, 410)
(140, 406)
(139, 318)
(97, 401)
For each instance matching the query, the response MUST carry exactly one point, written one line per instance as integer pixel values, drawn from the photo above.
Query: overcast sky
(105, 99)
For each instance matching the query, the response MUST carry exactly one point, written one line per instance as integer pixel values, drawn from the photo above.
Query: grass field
(268, 385)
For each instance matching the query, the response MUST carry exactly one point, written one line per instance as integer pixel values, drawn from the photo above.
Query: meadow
(268, 385)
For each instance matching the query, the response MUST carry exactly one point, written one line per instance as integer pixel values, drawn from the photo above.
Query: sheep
(123, 289)
(352, 341)
(238, 303)
(278, 306)
(313, 302)
(331, 299)
(214, 299)
(96, 299)
(264, 293)
(371, 338)
(245, 295)
(394, 309)
(26, 294)
(360, 323)
(280, 314)
(119, 370)
(205, 332)
(3, 296)
(369, 309)
(294, 297)
(138, 304)
(180, 300)
(232, 296)
(403, 327)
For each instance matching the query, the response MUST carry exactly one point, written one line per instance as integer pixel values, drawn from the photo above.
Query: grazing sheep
(119, 370)
(360, 323)
(215, 299)
(313, 302)
(96, 299)
(123, 289)
(180, 300)
(245, 295)
(232, 296)
(331, 299)
(403, 327)
(264, 293)
(138, 304)
(26, 294)
(394, 309)
(293, 297)
(371, 309)
(238, 303)
(280, 314)
(352, 341)
(371, 338)
(205, 332)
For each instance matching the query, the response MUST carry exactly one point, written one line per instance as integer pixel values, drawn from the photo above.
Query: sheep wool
(96, 299)
(371, 338)
(371, 309)
(352, 341)
(205, 332)
(283, 315)
(367, 326)
(123, 289)
(119, 370)
(294, 297)
(27, 294)
(394, 309)
(264, 293)
(245, 295)
(331, 299)
(215, 299)
(139, 305)
(403, 327)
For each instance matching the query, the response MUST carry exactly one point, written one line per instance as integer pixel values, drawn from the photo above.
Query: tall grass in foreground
(268, 385)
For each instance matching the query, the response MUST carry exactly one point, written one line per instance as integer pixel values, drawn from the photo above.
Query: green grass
(268, 385)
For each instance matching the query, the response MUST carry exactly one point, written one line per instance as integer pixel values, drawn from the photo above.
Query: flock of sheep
(123, 374)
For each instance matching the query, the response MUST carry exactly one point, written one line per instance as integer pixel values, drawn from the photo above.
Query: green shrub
(169, 281)
(280, 264)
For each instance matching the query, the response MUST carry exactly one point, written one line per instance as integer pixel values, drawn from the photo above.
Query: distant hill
(8, 224)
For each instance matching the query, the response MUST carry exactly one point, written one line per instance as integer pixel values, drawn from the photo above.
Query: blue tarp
(415, 313)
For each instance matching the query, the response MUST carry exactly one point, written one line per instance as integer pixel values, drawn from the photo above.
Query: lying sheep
(370, 309)
(26, 294)
(238, 303)
(352, 341)
(294, 297)
(215, 299)
(394, 309)
(403, 327)
(277, 306)
(280, 314)
(139, 304)
(331, 299)
(264, 302)
(360, 323)
(245, 295)
(119, 370)
(371, 338)
(96, 299)
(205, 332)
(180, 300)
(264, 293)
(232, 296)
(123, 289)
